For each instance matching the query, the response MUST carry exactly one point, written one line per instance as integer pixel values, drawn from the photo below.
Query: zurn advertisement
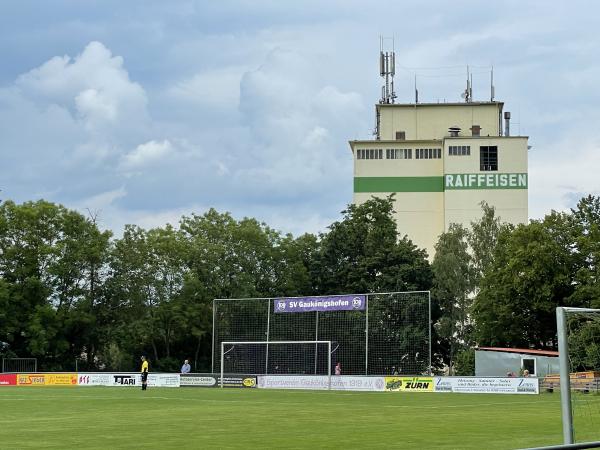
(487, 385)
(409, 384)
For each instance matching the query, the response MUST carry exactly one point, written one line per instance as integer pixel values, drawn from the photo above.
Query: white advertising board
(198, 380)
(128, 379)
(94, 379)
(487, 385)
(320, 382)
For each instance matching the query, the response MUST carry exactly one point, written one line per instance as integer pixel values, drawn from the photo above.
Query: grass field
(192, 418)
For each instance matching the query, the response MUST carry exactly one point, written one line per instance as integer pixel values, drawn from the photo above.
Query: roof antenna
(416, 91)
(387, 70)
(492, 88)
(468, 93)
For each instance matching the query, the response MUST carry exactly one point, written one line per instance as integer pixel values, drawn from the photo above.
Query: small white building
(498, 362)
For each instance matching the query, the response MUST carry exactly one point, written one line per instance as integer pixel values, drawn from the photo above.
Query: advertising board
(94, 379)
(211, 380)
(199, 380)
(238, 381)
(47, 379)
(321, 382)
(8, 379)
(409, 384)
(61, 379)
(125, 379)
(487, 385)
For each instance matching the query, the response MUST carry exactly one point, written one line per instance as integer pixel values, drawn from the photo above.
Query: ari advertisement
(409, 384)
(128, 379)
(321, 382)
(487, 385)
(8, 380)
(308, 304)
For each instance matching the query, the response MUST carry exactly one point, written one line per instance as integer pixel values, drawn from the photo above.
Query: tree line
(74, 295)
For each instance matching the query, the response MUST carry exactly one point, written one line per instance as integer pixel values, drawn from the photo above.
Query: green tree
(585, 220)
(362, 253)
(45, 268)
(453, 285)
(531, 274)
(482, 239)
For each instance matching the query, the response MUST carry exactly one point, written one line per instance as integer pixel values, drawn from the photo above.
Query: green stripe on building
(398, 184)
(452, 181)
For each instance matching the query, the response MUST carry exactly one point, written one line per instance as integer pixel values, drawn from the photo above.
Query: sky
(143, 111)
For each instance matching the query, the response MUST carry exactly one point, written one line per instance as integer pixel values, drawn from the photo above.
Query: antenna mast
(387, 70)
(492, 88)
(468, 94)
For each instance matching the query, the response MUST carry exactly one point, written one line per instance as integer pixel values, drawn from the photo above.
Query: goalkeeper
(144, 373)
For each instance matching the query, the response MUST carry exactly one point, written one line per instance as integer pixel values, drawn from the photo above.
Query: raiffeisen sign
(485, 181)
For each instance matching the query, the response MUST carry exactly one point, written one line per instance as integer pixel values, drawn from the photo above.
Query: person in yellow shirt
(144, 373)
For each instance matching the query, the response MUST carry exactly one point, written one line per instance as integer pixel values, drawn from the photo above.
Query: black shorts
(144, 377)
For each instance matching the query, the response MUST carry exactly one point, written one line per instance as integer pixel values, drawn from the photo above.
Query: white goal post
(277, 357)
(562, 329)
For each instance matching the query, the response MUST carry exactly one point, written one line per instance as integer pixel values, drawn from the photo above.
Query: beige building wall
(432, 120)
(463, 206)
(419, 215)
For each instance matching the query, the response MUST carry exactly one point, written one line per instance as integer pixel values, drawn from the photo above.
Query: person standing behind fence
(144, 373)
(186, 368)
(338, 369)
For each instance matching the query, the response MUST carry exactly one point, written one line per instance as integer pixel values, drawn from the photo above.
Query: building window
(428, 153)
(370, 153)
(488, 158)
(398, 153)
(459, 150)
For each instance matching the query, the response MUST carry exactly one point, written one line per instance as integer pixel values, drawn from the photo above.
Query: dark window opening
(488, 158)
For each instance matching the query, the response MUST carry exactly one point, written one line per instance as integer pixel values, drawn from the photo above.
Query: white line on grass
(249, 402)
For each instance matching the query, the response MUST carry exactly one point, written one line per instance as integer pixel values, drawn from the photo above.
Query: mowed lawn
(193, 418)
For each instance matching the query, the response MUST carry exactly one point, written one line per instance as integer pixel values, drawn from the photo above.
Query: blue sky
(147, 110)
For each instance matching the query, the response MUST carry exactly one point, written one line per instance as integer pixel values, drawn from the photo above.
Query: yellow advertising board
(47, 379)
(409, 384)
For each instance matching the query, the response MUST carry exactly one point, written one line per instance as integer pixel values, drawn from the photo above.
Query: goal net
(277, 358)
(371, 334)
(579, 353)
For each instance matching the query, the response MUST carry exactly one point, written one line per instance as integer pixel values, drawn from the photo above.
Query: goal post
(277, 358)
(573, 324)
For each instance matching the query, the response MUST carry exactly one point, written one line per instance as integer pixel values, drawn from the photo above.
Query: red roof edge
(527, 351)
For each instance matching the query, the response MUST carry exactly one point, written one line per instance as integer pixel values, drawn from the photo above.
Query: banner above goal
(309, 304)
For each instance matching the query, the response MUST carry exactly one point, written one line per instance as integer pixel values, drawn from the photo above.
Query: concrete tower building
(441, 160)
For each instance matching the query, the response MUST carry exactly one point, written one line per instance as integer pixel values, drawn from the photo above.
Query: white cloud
(217, 88)
(558, 182)
(150, 152)
(94, 84)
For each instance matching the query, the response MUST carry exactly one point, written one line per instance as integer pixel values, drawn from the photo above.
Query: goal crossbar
(267, 343)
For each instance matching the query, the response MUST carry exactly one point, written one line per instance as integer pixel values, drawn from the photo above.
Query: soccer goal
(578, 331)
(371, 334)
(277, 358)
